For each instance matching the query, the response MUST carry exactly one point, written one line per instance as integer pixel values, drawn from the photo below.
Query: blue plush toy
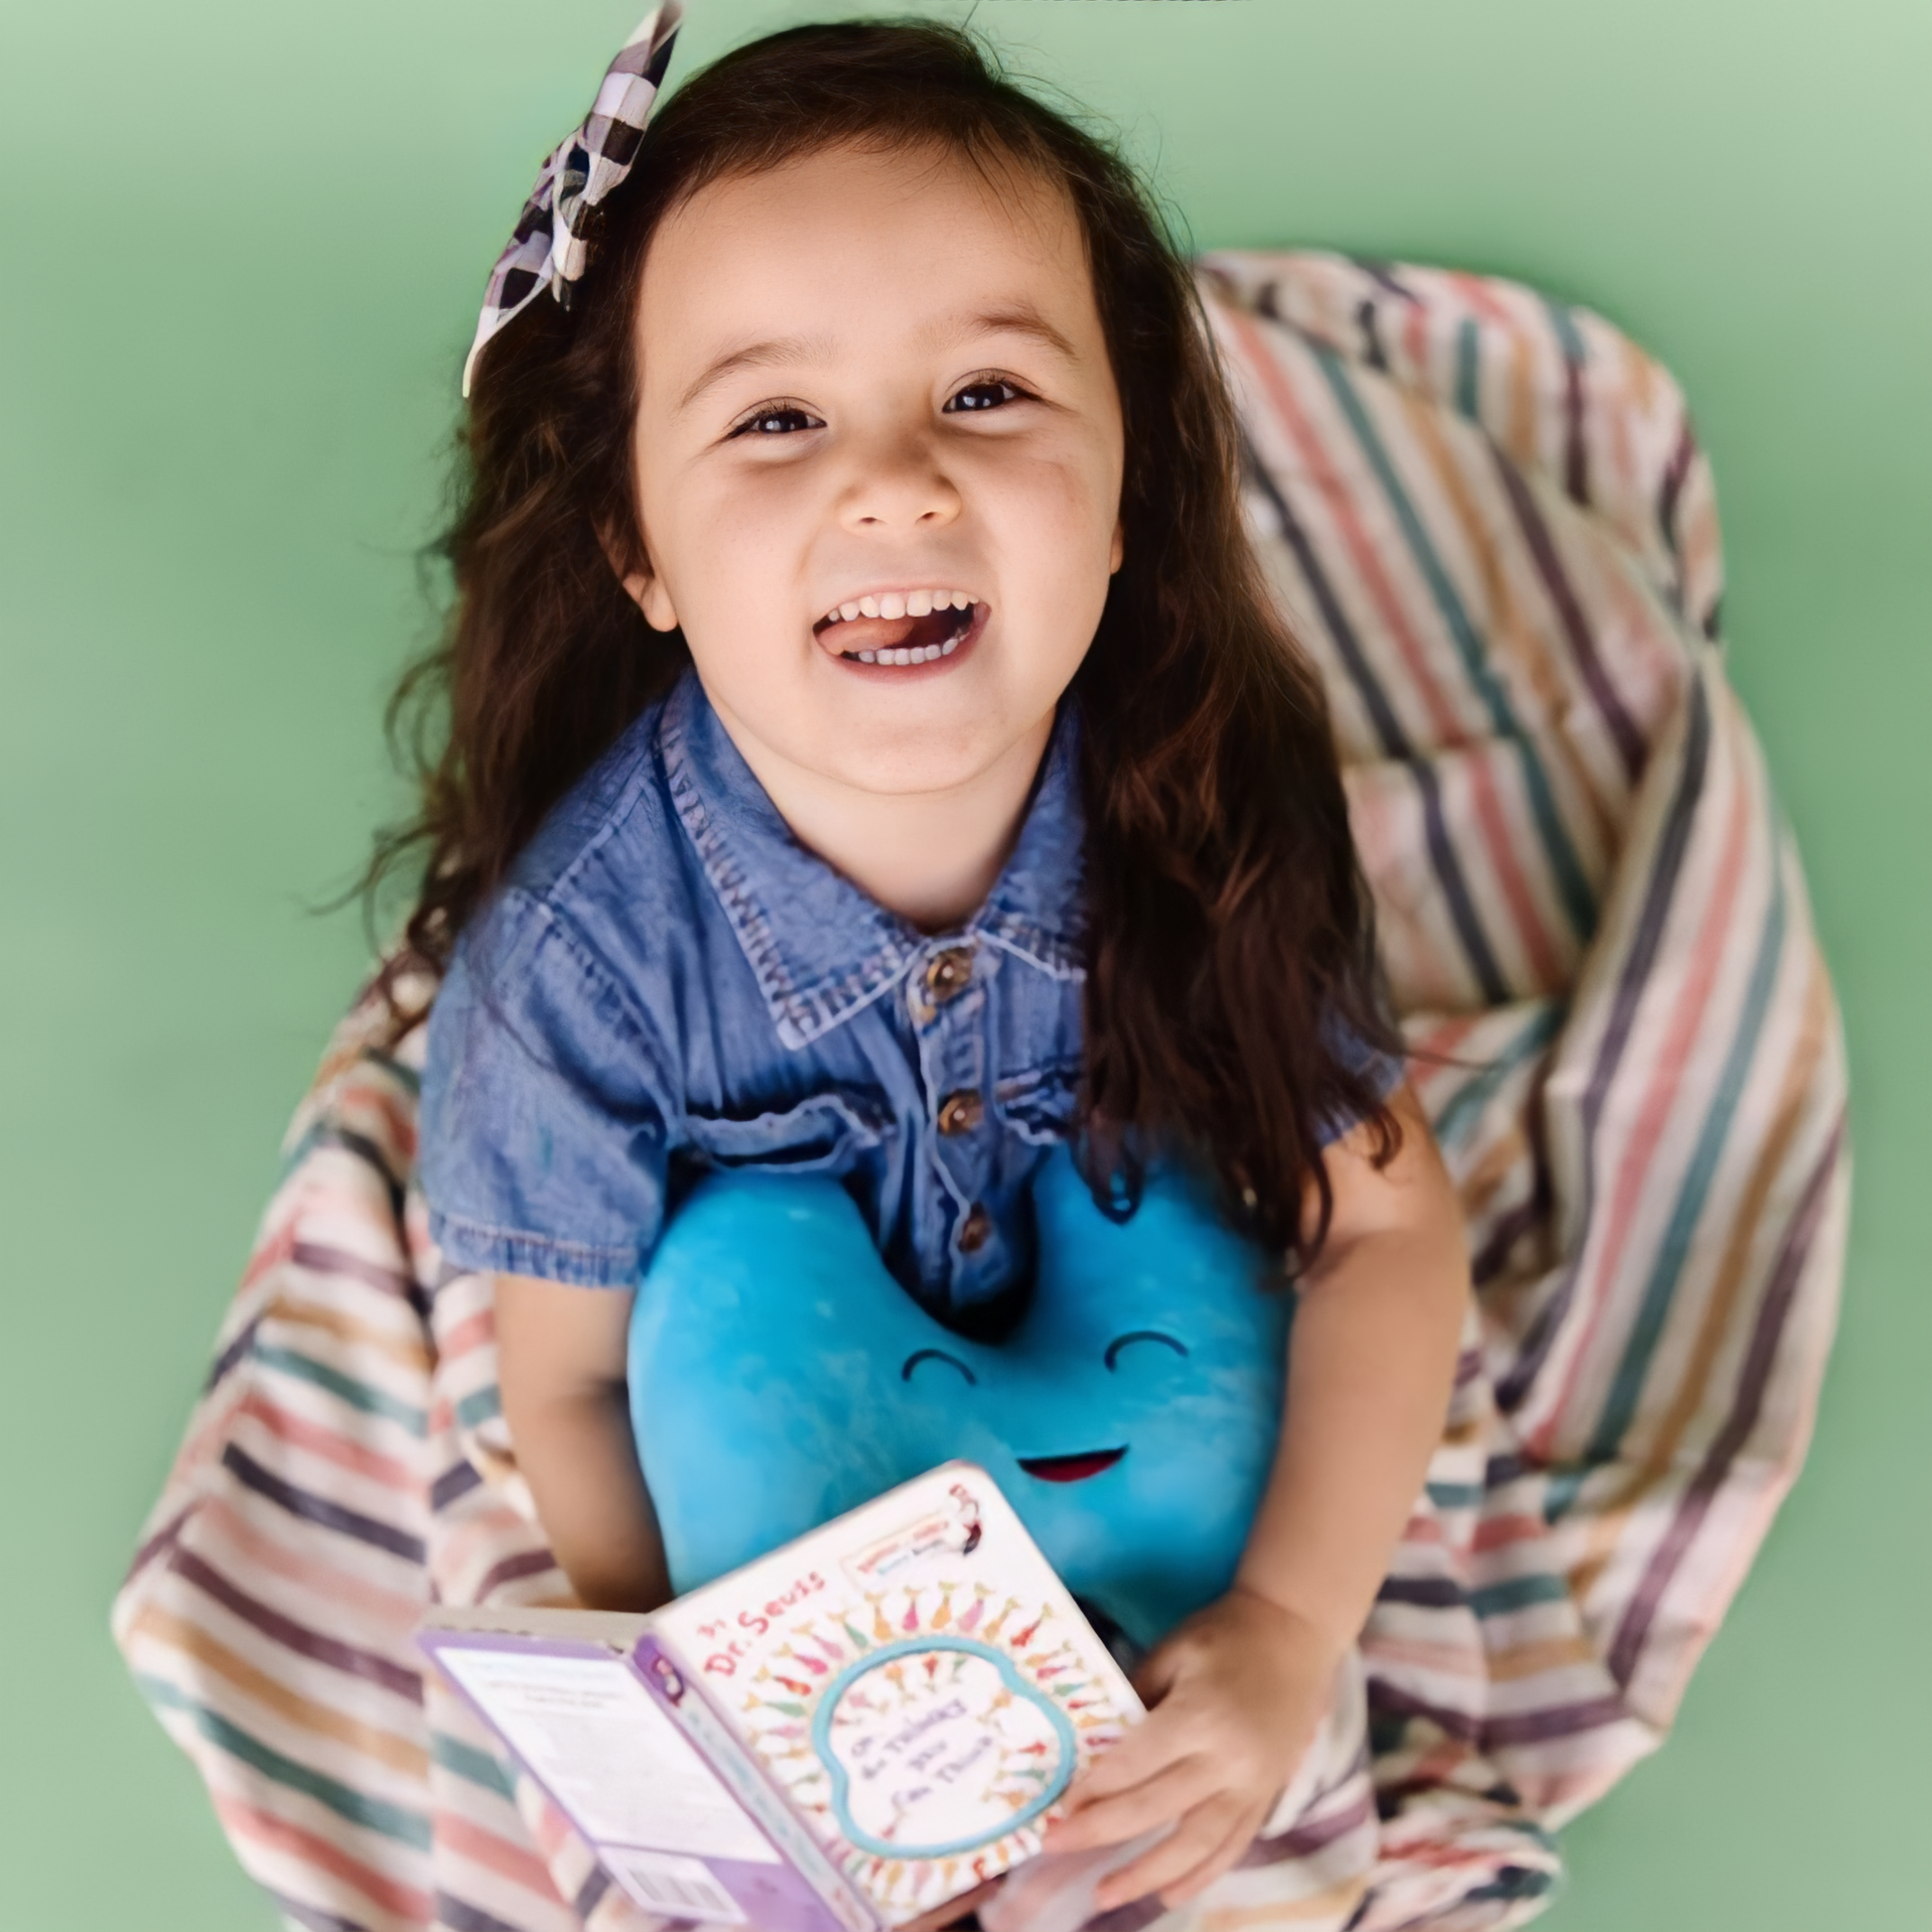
(780, 1376)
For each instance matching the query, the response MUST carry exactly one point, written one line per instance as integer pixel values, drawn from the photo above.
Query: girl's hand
(1237, 1693)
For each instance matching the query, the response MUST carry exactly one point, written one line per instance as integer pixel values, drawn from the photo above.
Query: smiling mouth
(1071, 1468)
(921, 634)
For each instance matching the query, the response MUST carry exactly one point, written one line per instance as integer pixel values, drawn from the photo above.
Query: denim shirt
(670, 984)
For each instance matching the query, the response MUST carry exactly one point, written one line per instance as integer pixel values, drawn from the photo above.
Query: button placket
(948, 973)
(948, 1000)
(974, 1231)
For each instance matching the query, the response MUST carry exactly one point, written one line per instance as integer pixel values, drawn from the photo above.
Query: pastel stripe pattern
(1490, 521)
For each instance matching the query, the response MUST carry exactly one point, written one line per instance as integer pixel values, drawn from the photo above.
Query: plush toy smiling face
(779, 1376)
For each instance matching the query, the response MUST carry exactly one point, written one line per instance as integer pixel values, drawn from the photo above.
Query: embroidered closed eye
(1120, 1342)
(919, 1355)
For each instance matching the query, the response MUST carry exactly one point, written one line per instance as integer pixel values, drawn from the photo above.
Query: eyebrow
(1022, 318)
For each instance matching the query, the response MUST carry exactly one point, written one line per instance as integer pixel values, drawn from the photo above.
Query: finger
(1223, 1858)
(1203, 1833)
(1168, 1795)
(1155, 1678)
(1148, 1748)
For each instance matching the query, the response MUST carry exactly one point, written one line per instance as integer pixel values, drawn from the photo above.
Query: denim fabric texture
(670, 984)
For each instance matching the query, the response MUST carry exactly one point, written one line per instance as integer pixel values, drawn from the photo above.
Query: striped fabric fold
(1490, 521)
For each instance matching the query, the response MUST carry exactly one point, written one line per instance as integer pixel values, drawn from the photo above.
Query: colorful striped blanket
(1490, 521)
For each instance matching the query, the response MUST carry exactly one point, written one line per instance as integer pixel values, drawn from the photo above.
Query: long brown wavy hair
(1232, 944)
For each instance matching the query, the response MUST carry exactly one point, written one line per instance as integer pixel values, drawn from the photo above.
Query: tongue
(893, 633)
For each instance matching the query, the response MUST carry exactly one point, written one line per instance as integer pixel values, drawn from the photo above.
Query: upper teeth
(901, 603)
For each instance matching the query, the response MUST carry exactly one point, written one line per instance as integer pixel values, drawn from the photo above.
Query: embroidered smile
(1071, 1468)
(899, 627)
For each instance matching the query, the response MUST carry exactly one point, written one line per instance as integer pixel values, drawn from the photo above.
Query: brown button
(949, 973)
(975, 1230)
(960, 1112)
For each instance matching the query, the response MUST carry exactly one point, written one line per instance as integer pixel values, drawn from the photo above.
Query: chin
(897, 757)
(909, 767)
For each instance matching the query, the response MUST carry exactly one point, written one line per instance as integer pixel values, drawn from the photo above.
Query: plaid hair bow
(550, 246)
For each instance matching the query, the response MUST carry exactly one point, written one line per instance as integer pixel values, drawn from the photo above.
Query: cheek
(1057, 516)
(726, 549)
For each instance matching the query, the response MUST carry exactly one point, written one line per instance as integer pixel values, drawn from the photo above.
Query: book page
(918, 1681)
(593, 1737)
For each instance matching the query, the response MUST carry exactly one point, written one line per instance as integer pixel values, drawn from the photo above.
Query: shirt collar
(819, 947)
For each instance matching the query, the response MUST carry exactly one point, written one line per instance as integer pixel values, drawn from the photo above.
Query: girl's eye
(778, 419)
(990, 392)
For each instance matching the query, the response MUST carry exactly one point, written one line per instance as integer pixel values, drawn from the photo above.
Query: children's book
(846, 1734)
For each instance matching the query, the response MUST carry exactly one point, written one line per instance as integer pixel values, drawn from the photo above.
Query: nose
(898, 483)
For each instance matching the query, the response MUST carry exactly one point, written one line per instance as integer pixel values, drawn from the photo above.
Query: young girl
(870, 753)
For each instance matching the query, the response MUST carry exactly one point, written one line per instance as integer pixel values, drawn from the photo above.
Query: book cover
(566, 1693)
(841, 1736)
(918, 1682)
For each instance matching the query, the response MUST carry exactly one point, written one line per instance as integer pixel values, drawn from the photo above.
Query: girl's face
(877, 416)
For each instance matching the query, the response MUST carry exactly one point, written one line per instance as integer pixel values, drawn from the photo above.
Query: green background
(244, 244)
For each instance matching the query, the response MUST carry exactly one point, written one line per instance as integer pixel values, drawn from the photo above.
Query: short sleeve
(1383, 1072)
(544, 1110)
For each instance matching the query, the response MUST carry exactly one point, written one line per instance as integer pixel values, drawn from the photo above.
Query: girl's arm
(1237, 1691)
(561, 1367)
(1370, 1366)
